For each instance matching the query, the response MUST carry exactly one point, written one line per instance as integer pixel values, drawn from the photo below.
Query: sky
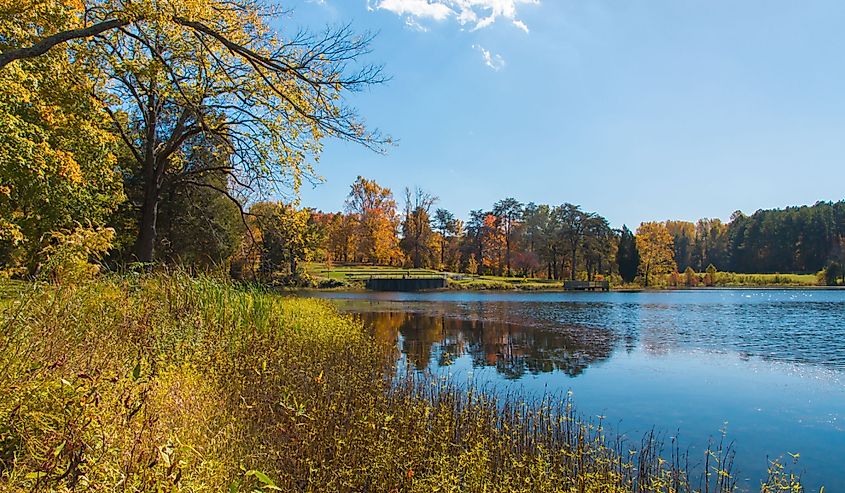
(639, 110)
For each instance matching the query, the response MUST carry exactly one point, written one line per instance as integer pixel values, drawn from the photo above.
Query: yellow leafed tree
(656, 250)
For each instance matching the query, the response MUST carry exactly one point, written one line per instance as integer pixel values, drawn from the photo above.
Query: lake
(767, 366)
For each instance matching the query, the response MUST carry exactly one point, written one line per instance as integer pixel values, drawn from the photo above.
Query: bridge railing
(586, 285)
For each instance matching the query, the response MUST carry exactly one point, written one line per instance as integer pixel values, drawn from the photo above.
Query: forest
(561, 241)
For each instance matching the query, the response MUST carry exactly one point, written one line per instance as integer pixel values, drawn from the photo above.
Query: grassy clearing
(482, 283)
(359, 272)
(731, 279)
(354, 275)
(179, 384)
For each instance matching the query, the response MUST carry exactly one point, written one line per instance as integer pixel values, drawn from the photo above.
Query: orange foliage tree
(374, 211)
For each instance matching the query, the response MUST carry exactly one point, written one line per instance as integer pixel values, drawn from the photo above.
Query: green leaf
(136, 372)
(261, 477)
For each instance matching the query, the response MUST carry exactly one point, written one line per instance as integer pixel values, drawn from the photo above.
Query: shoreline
(559, 290)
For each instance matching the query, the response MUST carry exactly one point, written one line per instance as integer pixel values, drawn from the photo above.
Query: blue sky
(639, 110)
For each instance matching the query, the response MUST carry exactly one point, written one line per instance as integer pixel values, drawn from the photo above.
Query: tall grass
(168, 383)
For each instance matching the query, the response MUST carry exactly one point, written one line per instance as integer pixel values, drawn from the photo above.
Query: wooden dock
(586, 285)
(405, 283)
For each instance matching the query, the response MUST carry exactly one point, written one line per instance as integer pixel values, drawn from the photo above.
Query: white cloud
(478, 13)
(417, 8)
(412, 23)
(492, 60)
(518, 23)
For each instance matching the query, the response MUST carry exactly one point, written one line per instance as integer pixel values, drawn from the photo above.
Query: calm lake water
(767, 365)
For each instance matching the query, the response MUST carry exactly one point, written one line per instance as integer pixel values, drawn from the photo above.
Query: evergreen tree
(627, 257)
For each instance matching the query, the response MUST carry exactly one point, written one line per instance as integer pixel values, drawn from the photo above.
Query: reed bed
(172, 383)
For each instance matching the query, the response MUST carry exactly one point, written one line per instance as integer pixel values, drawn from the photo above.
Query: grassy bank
(353, 276)
(179, 384)
(731, 279)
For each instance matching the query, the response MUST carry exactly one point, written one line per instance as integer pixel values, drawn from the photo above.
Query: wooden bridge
(405, 283)
(586, 285)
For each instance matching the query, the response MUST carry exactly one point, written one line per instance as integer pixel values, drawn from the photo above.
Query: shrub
(68, 254)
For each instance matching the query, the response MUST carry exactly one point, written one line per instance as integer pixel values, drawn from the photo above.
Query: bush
(68, 255)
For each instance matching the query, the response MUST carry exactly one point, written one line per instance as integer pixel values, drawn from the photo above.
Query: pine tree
(627, 257)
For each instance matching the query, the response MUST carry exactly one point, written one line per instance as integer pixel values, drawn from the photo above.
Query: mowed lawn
(362, 272)
(354, 273)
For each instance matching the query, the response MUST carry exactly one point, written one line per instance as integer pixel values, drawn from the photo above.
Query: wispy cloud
(475, 13)
(492, 60)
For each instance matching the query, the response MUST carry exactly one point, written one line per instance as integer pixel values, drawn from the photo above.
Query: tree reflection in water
(513, 349)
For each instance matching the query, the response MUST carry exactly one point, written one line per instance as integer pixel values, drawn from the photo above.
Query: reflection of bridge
(405, 282)
(586, 285)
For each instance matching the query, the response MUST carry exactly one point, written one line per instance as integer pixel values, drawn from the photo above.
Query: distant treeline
(542, 241)
(202, 229)
(796, 239)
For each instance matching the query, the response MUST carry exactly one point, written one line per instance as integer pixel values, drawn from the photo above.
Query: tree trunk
(145, 243)
(508, 253)
(574, 259)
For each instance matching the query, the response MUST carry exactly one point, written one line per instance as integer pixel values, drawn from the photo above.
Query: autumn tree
(690, 277)
(710, 275)
(166, 72)
(541, 234)
(493, 244)
(418, 239)
(473, 246)
(572, 225)
(374, 210)
(288, 236)
(654, 244)
(472, 265)
(58, 157)
(338, 234)
(508, 213)
(449, 229)
(684, 240)
(597, 245)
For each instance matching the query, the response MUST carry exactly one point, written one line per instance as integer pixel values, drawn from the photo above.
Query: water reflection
(771, 363)
(513, 350)
(796, 327)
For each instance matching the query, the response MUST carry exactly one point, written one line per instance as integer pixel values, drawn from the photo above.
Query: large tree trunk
(145, 242)
(574, 263)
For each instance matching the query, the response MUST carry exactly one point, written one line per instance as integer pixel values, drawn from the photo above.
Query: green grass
(178, 384)
(729, 279)
(354, 275)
